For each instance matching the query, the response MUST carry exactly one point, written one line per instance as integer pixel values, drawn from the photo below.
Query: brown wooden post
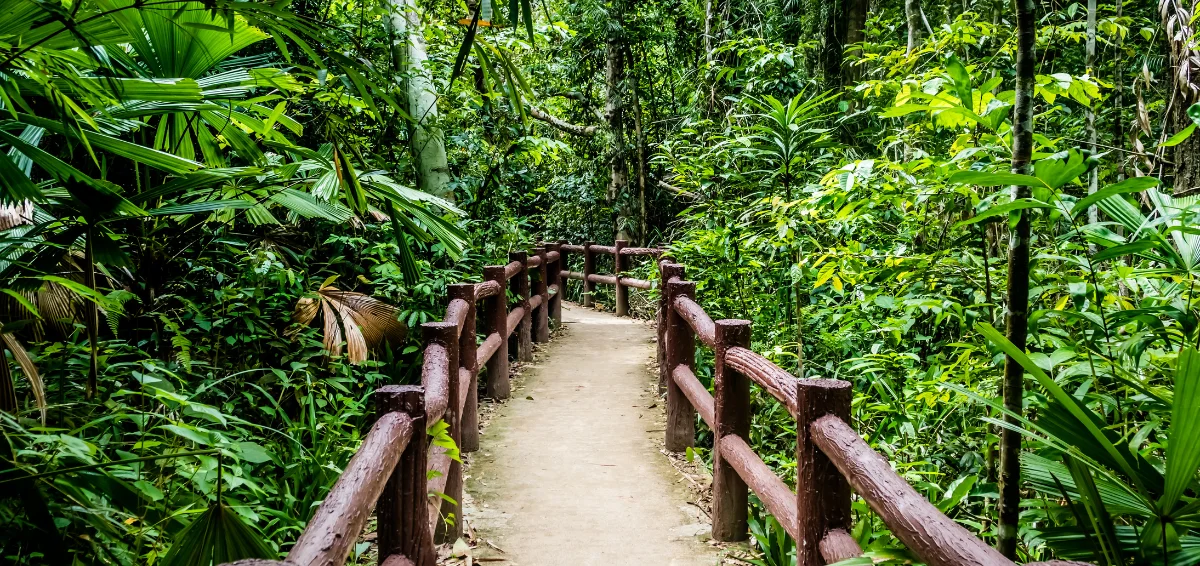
(666, 271)
(822, 493)
(681, 351)
(468, 345)
(619, 265)
(520, 345)
(541, 319)
(445, 334)
(589, 268)
(495, 317)
(554, 276)
(403, 508)
(731, 393)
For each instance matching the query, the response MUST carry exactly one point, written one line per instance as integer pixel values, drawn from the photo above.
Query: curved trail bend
(569, 471)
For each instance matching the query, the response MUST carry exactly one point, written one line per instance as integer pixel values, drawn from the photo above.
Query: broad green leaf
(1130, 185)
(987, 179)
(1003, 209)
(1183, 450)
(1179, 137)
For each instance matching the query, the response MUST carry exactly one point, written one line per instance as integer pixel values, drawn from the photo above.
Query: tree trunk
(614, 113)
(1090, 122)
(912, 11)
(93, 311)
(428, 145)
(1185, 90)
(643, 236)
(1119, 96)
(1018, 284)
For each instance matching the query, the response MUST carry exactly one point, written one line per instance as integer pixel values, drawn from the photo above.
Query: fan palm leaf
(359, 321)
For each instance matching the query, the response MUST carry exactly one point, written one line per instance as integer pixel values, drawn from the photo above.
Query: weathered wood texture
(467, 361)
(487, 289)
(731, 393)
(572, 248)
(334, 528)
(934, 537)
(695, 316)
(446, 336)
(681, 354)
(667, 271)
(822, 494)
(619, 265)
(779, 383)
(487, 349)
(636, 283)
(697, 396)
(435, 377)
(514, 324)
(775, 495)
(655, 252)
(600, 278)
(558, 261)
(495, 317)
(595, 248)
(541, 292)
(589, 268)
(520, 344)
(514, 266)
(402, 512)
(838, 545)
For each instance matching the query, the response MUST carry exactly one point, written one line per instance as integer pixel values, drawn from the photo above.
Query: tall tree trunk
(640, 135)
(1017, 323)
(1185, 89)
(1090, 123)
(709, 15)
(614, 113)
(93, 311)
(1119, 95)
(856, 26)
(428, 144)
(912, 12)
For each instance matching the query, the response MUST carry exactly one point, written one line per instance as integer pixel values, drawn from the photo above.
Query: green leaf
(1101, 522)
(1125, 249)
(198, 207)
(1183, 449)
(217, 537)
(1194, 112)
(1003, 209)
(1056, 391)
(994, 179)
(1130, 185)
(1179, 137)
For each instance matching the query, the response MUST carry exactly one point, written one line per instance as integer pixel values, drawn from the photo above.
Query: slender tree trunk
(1119, 95)
(428, 144)
(912, 11)
(640, 134)
(93, 311)
(1177, 17)
(709, 16)
(1018, 283)
(1090, 124)
(614, 113)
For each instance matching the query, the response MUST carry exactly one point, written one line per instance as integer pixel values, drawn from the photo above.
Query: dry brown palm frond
(360, 321)
(1181, 36)
(28, 368)
(13, 215)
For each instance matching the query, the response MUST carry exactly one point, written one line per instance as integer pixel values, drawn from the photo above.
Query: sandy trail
(569, 471)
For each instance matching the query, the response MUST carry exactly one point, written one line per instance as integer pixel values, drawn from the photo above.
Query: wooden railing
(388, 473)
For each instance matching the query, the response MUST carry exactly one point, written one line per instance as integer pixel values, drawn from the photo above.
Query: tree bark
(614, 113)
(912, 12)
(643, 236)
(1185, 90)
(1018, 283)
(428, 144)
(1090, 122)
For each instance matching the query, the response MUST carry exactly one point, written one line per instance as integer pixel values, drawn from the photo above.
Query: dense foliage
(221, 219)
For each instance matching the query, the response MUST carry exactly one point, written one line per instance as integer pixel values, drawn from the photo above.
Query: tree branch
(561, 124)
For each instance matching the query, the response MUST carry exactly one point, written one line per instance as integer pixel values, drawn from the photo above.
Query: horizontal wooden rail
(606, 279)
(779, 383)
(533, 261)
(572, 248)
(513, 268)
(486, 289)
(435, 377)
(695, 392)
(553, 256)
(487, 348)
(655, 252)
(456, 313)
(931, 535)
(594, 248)
(514, 318)
(573, 275)
(693, 313)
(837, 545)
(637, 283)
(775, 495)
(334, 528)
(535, 301)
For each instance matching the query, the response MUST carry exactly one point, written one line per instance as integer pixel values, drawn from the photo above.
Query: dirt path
(569, 469)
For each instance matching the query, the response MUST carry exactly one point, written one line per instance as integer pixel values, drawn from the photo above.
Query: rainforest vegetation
(220, 219)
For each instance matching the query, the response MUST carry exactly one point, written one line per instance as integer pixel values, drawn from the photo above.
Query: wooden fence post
(541, 321)
(495, 316)
(822, 493)
(403, 507)
(666, 271)
(555, 278)
(520, 346)
(589, 268)
(619, 264)
(731, 393)
(681, 351)
(445, 334)
(467, 349)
